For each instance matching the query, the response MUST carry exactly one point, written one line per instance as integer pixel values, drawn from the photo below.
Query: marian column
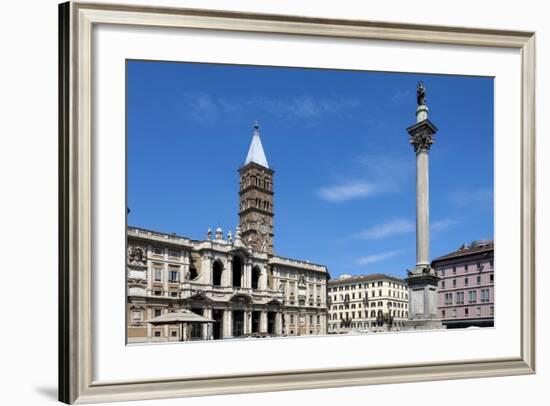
(422, 280)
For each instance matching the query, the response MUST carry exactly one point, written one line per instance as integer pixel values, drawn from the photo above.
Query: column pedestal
(423, 302)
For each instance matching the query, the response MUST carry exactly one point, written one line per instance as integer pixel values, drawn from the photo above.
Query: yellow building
(363, 303)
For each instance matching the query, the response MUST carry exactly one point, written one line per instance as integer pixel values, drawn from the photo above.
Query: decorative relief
(136, 256)
(302, 281)
(421, 140)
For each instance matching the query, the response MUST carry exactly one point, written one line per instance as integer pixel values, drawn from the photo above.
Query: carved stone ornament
(136, 255)
(421, 141)
(302, 280)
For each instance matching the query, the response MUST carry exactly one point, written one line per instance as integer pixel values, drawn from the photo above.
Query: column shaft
(422, 210)
(263, 322)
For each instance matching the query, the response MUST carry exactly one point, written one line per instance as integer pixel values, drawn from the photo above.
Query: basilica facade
(235, 282)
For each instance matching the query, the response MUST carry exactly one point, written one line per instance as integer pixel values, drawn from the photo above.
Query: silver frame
(76, 21)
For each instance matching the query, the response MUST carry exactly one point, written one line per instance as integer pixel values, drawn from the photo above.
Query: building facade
(375, 302)
(466, 286)
(235, 280)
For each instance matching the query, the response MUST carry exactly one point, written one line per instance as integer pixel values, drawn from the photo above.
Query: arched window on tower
(256, 277)
(237, 271)
(217, 271)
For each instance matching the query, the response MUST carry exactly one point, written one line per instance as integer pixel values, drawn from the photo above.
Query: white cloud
(349, 191)
(470, 198)
(204, 107)
(377, 173)
(307, 107)
(400, 96)
(370, 259)
(393, 227)
(201, 107)
(442, 225)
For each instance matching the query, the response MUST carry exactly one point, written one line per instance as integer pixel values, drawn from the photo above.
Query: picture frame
(76, 215)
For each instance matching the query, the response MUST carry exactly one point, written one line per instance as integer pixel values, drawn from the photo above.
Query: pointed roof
(256, 152)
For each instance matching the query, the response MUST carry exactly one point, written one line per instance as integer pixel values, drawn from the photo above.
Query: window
(454, 269)
(318, 319)
(158, 251)
(465, 281)
(443, 284)
(491, 263)
(158, 312)
(173, 254)
(478, 279)
(256, 273)
(174, 333)
(380, 292)
(442, 313)
(484, 295)
(158, 293)
(448, 298)
(459, 297)
(478, 311)
(174, 276)
(310, 319)
(466, 268)
(454, 312)
(237, 271)
(466, 312)
(157, 334)
(158, 274)
(472, 296)
(454, 283)
(492, 278)
(217, 271)
(291, 319)
(492, 311)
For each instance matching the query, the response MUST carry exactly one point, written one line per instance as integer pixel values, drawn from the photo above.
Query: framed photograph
(253, 202)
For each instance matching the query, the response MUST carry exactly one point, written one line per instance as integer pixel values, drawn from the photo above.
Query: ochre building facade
(367, 303)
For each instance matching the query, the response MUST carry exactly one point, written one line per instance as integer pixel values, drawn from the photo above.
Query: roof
(363, 278)
(476, 247)
(256, 152)
(180, 316)
(297, 263)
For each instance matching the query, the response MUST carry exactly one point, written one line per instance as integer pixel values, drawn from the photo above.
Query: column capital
(421, 135)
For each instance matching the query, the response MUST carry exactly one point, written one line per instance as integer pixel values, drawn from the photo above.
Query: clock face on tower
(263, 228)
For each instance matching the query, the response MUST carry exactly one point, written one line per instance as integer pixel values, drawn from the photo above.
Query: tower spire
(256, 199)
(256, 152)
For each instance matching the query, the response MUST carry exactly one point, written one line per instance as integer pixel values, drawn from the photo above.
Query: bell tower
(256, 198)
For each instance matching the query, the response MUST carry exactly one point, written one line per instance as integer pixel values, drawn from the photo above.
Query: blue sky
(344, 169)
